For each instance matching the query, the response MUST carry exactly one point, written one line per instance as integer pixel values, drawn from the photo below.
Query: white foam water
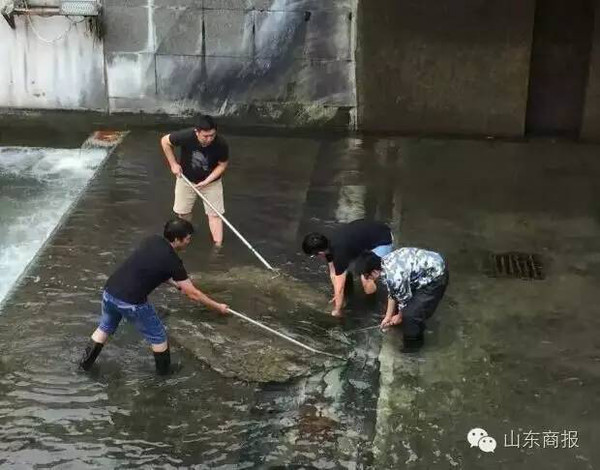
(37, 187)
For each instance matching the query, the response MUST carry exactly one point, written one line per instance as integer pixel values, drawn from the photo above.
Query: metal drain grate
(515, 265)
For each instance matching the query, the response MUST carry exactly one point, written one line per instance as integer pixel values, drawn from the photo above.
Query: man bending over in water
(416, 280)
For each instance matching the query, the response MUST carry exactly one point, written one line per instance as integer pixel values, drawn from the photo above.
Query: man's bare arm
(389, 312)
(169, 151)
(339, 283)
(188, 288)
(216, 174)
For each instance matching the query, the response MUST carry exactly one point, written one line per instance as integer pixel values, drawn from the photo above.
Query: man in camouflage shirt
(416, 280)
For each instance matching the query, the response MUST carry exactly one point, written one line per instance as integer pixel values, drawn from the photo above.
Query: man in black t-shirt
(126, 292)
(343, 247)
(203, 160)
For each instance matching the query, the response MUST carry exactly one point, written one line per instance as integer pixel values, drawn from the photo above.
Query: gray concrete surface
(411, 67)
(590, 129)
(220, 57)
(457, 68)
(504, 354)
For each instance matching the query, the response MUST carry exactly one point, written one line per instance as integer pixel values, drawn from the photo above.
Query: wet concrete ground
(501, 354)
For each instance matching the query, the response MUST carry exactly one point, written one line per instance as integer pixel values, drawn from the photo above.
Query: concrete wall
(37, 73)
(407, 66)
(231, 57)
(459, 67)
(590, 127)
(278, 60)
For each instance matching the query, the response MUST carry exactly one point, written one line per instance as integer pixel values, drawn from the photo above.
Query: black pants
(421, 306)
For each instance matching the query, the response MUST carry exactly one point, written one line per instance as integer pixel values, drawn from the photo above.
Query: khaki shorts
(185, 197)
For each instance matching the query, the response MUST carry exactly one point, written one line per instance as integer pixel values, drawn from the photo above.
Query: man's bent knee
(161, 347)
(100, 336)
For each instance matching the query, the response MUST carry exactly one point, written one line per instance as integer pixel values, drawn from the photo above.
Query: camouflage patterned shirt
(408, 269)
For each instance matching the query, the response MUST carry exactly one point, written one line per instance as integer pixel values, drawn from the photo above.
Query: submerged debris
(241, 350)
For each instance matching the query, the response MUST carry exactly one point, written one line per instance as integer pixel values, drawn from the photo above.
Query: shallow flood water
(500, 354)
(211, 413)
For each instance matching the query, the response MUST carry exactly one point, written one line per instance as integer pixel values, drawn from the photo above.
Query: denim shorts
(383, 250)
(143, 317)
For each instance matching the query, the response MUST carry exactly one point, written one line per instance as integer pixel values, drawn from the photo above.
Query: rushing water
(37, 186)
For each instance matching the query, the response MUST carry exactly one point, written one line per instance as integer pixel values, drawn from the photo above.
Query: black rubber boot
(163, 362)
(413, 345)
(89, 356)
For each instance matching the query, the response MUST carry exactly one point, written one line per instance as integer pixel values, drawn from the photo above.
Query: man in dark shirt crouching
(126, 292)
(343, 246)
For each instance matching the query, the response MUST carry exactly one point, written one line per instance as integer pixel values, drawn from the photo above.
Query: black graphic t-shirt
(153, 262)
(198, 162)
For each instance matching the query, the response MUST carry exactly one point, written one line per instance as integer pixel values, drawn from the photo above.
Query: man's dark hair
(315, 243)
(367, 262)
(177, 229)
(205, 123)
